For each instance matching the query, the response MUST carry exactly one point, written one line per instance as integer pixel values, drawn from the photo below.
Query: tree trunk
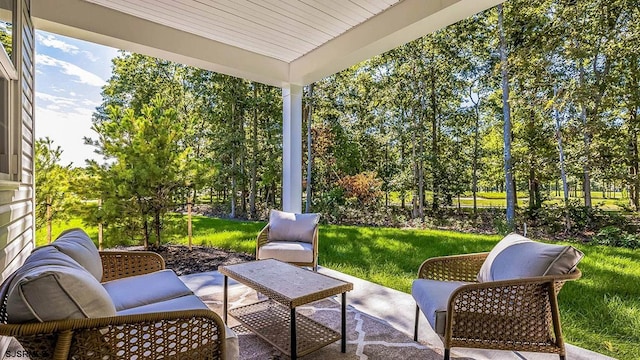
(508, 170)
(435, 169)
(254, 154)
(145, 227)
(586, 166)
(402, 192)
(309, 153)
(233, 188)
(635, 169)
(533, 182)
(476, 140)
(156, 224)
(49, 225)
(563, 173)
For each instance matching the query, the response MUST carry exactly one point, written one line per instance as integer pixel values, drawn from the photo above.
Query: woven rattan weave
(263, 238)
(272, 319)
(518, 315)
(192, 334)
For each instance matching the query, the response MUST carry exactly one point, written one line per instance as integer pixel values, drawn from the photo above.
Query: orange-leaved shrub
(365, 187)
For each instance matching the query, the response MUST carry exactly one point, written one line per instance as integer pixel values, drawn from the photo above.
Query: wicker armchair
(187, 334)
(263, 239)
(518, 315)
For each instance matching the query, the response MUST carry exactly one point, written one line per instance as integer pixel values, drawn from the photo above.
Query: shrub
(614, 236)
(364, 187)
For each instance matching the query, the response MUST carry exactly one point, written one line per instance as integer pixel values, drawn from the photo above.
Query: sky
(70, 74)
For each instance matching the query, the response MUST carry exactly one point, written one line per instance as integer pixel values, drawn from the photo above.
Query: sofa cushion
(288, 251)
(76, 244)
(516, 257)
(135, 291)
(432, 297)
(189, 302)
(286, 226)
(52, 286)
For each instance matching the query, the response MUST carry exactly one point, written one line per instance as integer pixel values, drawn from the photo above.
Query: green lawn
(600, 312)
(498, 199)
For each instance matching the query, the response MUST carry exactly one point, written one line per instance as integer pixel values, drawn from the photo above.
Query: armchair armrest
(192, 334)
(262, 238)
(121, 264)
(519, 314)
(453, 268)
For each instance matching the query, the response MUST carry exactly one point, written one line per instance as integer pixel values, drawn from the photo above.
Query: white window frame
(8, 72)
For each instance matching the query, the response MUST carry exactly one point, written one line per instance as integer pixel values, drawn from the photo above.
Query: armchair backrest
(286, 226)
(517, 257)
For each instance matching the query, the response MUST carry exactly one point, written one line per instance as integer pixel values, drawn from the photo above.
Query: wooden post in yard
(100, 246)
(189, 228)
(49, 219)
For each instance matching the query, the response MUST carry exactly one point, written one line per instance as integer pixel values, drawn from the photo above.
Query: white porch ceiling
(276, 42)
(281, 29)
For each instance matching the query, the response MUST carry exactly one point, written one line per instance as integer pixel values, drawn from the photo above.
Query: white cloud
(83, 107)
(67, 130)
(53, 42)
(84, 76)
(57, 100)
(90, 56)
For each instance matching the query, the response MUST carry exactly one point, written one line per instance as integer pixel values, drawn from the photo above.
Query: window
(8, 77)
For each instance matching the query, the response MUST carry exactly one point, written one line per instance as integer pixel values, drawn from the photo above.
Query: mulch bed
(200, 259)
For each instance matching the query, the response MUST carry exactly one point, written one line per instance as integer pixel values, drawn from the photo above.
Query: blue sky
(69, 76)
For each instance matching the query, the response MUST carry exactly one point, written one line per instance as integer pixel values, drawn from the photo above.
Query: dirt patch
(200, 259)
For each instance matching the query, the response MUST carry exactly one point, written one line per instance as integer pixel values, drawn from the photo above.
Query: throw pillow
(516, 257)
(286, 226)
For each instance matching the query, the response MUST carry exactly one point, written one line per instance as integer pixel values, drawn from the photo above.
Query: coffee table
(286, 287)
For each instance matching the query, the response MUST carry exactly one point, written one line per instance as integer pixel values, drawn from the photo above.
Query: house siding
(17, 205)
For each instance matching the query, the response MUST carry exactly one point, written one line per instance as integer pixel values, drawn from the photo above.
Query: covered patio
(288, 44)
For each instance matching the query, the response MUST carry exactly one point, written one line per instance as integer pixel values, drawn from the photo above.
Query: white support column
(292, 148)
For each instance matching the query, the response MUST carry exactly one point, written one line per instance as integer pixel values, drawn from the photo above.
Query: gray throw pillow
(52, 286)
(286, 226)
(516, 257)
(76, 244)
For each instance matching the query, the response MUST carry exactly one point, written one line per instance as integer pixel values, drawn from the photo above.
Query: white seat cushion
(287, 251)
(76, 244)
(516, 257)
(189, 302)
(432, 297)
(135, 291)
(52, 286)
(286, 226)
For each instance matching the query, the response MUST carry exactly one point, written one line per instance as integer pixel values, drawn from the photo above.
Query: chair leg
(563, 357)
(447, 354)
(415, 331)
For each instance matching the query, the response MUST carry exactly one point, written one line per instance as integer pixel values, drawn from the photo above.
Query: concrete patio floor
(397, 309)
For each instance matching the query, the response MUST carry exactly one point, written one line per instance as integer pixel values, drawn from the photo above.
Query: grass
(600, 312)
(498, 199)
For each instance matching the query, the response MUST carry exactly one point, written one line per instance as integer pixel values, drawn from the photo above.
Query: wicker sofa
(505, 299)
(70, 301)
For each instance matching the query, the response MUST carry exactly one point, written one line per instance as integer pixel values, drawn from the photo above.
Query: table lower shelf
(271, 321)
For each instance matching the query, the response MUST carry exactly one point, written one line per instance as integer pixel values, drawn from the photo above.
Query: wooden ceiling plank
(336, 10)
(254, 14)
(225, 31)
(229, 35)
(249, 28)
(301, 14)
